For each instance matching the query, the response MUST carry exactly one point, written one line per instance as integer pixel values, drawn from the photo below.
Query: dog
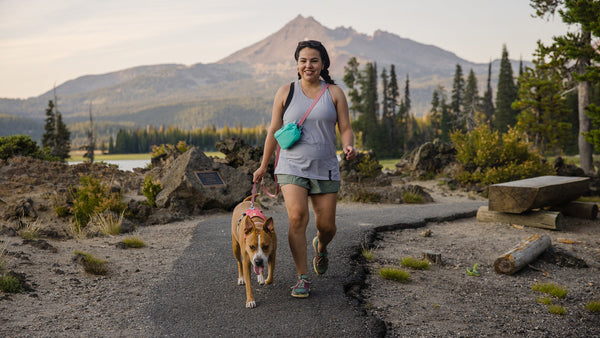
(254, 244)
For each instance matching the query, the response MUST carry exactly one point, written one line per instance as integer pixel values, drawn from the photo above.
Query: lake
(125, 165)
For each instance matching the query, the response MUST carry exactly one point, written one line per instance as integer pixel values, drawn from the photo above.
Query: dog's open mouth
(258, 269)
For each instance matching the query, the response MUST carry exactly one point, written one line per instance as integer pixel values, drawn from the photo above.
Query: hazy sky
(47, 42)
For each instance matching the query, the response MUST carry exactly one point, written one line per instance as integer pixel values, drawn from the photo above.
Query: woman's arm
(343, 116)
(276, 123)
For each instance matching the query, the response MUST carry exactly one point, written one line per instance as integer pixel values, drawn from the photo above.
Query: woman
(310, 167)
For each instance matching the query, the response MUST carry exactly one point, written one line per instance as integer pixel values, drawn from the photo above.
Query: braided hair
(324, 57)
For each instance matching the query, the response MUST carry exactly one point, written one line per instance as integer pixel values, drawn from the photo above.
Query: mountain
(239, 88)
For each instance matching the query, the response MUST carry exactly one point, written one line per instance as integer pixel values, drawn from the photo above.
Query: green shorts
(313, 186)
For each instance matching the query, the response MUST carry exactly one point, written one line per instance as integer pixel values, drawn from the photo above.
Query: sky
(44, 43)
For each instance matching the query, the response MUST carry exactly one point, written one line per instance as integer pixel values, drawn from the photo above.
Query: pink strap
(313, 104)
(278, 150)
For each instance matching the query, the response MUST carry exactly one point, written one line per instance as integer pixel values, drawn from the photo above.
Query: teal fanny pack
(289, 134)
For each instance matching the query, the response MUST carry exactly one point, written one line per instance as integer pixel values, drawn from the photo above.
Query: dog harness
(251, 212)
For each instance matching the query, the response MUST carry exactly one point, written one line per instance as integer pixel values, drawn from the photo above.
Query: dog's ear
(249, 225)
(269, 226)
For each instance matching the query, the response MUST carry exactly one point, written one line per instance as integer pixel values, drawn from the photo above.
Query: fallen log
(578, 209)
(538, 192)
(553, 220)
(522, 254)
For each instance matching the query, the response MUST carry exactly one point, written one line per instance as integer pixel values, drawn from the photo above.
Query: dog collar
(253, 212)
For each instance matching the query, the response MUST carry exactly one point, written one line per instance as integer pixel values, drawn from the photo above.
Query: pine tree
(544, 114)
(49, 139)
(351, 80)
(575, 55)
(91, 146)
(487, 104)
(392, 96)
(470, 101)
(505, 116)
(435, 114)
(458, 93)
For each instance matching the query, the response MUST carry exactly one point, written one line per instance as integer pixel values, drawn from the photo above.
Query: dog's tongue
(258, 270)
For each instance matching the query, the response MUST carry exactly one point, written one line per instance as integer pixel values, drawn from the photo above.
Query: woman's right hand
(259, 174)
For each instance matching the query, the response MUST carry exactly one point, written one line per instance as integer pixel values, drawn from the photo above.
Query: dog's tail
(247, 198)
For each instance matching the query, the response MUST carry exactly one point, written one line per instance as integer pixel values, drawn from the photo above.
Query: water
(126, 165)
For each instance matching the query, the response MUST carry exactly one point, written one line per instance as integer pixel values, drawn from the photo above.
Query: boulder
(432, 157)
(184, 192)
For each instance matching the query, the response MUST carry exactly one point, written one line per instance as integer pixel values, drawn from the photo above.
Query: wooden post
(579, 209)
(538, 192)
(553, 220)
(522, 254)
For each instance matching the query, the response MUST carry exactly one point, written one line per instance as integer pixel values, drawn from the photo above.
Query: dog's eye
(265, 247)
(252, 247)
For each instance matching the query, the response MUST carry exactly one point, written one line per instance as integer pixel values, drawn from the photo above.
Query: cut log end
(505, 265)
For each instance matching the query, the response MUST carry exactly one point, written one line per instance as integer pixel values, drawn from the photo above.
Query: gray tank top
(314, 155)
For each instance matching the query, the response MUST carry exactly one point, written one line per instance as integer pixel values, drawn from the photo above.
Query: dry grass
(133, 242)
(30, 230)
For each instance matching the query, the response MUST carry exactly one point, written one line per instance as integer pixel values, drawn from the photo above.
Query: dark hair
(324, 57)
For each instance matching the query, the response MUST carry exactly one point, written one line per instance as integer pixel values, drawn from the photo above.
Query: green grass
(389, 164)
(544, 300)
(10, 284)
(593, 306)
(557, 309)
(92, 264)
(411, 262)
(551, 289)
(395, 274)
(133, 242)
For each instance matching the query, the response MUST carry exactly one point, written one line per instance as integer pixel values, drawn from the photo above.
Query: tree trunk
(522, 254)
(583, 87)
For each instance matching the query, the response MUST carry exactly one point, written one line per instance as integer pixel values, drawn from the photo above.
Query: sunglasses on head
(309, 43)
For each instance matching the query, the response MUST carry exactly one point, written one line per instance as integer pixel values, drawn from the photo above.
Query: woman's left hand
(349, 151)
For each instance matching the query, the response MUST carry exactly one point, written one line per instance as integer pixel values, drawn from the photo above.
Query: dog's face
(260, 244)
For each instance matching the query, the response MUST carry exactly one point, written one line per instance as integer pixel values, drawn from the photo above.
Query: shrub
(593, 306)
(411, 262)
(395, 274)
(369, 166)
(10, 284)
(488, 158)
(18, 145)
(133, 242)
(93, 197)
(550, 289)
(92, 264)
(150, 189)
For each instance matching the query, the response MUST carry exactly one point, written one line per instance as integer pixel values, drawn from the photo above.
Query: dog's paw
(251, 305)
(261, 279)
(241, 281)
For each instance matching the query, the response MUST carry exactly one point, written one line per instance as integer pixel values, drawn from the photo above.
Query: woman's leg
(324, 207)
(296, 203)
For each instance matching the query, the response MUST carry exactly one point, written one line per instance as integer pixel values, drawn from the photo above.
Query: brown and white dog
(254, 245)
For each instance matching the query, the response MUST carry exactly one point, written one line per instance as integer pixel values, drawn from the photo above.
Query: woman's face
(309, 64)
